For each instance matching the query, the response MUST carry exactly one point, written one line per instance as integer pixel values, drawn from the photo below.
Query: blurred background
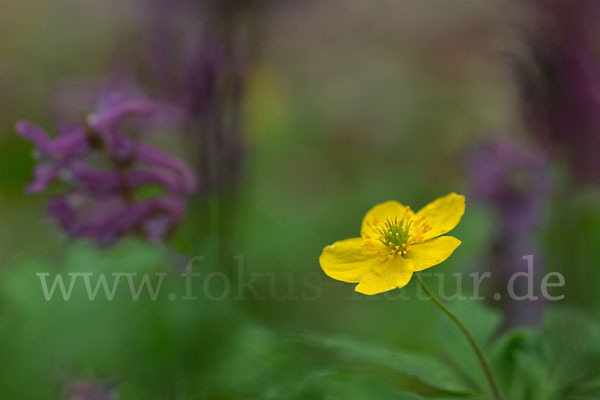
(296, 118)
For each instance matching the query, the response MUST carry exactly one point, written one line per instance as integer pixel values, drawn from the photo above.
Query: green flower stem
(465, 331)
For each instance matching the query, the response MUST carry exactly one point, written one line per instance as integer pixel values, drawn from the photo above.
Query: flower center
(397, 235)
(394, 233)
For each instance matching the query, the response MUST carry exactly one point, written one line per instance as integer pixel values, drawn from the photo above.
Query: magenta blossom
(105, 170)
(559, 82)
(515, 184)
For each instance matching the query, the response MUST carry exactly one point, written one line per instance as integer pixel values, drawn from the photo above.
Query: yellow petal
(345, 262)
(380, 213)
(393, 274)
(443, 214)
(432, 252)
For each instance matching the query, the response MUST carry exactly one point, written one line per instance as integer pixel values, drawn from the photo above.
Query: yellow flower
(394, 243)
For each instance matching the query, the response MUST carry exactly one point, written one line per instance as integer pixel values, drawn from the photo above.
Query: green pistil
(395, 233)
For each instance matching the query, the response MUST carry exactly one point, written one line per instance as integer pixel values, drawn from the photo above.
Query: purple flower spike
(102, 203)
(559, 82)
(514, 183)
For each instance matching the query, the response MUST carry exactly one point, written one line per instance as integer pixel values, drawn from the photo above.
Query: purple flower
(511, 180)
(560, 82)
(515, 185)
(202, 70)
(102, 202)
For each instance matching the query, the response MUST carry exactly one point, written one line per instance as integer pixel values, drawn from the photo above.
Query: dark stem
(486, 368)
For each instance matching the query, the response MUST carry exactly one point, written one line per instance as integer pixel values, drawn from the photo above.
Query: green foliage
(145, 341)
(482, 322)
(557, 361)
(562, 360)
(424, 367)
(205, 349)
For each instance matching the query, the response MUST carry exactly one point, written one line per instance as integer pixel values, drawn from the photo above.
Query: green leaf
(425, 368)
(482, 322)
(504, 360)
(568, 353)
(559, 360)
(342, 385)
